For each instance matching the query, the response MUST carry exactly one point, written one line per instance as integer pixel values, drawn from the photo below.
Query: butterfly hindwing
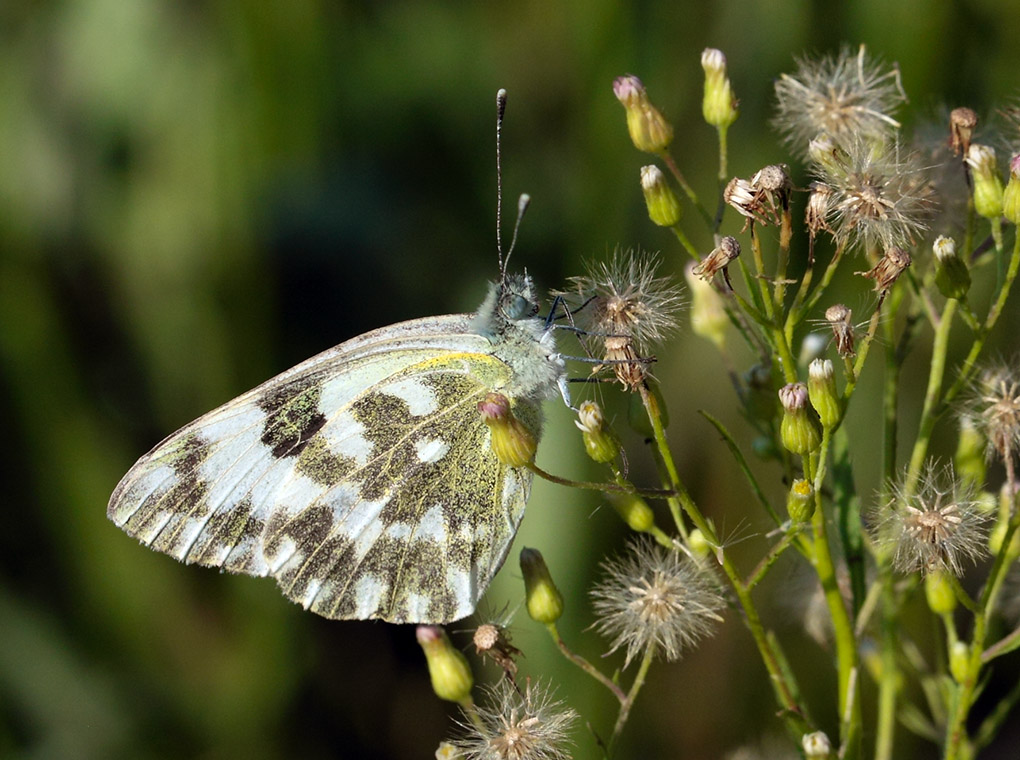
(361, 480)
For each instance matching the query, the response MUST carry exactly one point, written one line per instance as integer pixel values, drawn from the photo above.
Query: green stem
(584, 665)
(654, 493)
(889, 680)
(931, 396)
(635, 688)
(667, 159)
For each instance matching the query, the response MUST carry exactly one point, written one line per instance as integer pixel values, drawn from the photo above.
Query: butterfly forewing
(362, 479)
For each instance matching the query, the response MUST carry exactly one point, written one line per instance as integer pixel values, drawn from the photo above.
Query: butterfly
(362, 479)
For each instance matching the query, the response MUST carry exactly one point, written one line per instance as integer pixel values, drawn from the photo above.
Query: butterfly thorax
(522, 340)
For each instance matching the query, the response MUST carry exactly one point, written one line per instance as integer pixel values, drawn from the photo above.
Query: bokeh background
(197, 195)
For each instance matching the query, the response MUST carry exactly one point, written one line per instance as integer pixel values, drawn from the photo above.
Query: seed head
(937, 527)
(839, 95)
(628, 310)
(720, 257)
(652, 596)
(517, 726)
(961, 126)
(880, 196)
(838, 316)
(888, 269)
(994, 410)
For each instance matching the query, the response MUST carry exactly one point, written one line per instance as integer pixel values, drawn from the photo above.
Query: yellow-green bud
(649, 130)
(698, 544)
(816, 746)
(959, 661)
(1011, 195)
(951, 274)
(799, 428)
(987, 182)
(969, 461)
(637, 415)
(800, 501)
(662, 203)
(600, 442)
(938, 590)
(708, 311)
(448, 667)
(542, 598)
(719, 107)
(634, 510)
(511, 442)
(822, 392)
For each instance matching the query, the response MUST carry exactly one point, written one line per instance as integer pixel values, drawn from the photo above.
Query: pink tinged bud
(799, 428)
(448, 668)
(629, 90)
(648, 128)
(512, 443)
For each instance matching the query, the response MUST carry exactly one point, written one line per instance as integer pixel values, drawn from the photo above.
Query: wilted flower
(888, 269)
(516, 726)
(764, 198)
(720, 257)
(492, 640)
(652, 596)
(838, 316)
(961, 126)
(937, 526)
(628, 309)
(994, 409)
(840, 96)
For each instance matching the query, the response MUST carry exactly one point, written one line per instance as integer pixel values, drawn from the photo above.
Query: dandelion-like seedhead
(515, 725)
(938, 526)
(994, 410)
(629, 300)
(652, 596)
(842, 95)
(878, 195)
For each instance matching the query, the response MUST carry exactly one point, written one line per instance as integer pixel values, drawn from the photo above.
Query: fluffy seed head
(517, 726)
(994, 410)
(938, 526)
(652, 596)
(839, 95)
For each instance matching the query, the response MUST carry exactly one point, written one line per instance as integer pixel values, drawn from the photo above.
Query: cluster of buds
(649, 130)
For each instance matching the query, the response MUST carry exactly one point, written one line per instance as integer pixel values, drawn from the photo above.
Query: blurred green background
(197, 195)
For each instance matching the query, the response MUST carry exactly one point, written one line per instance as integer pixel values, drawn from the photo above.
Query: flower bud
(938, 590)
(600, 442)
(634, 510)
(987, 183)
(959, 661)
(816, 746)
(649, 130)
(719, 107)
(448, 668)
(800, 501)
(798, 430)
(698, 544)
(542, 598)
(1011, 195)
(822, 392)
(708, 312)
(951, 274)
(662, 204)
(511, 442)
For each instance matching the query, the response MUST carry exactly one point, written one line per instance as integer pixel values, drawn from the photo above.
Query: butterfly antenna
(522, 205)
(500, 109)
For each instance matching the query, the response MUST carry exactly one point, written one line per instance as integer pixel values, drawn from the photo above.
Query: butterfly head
(516, 298)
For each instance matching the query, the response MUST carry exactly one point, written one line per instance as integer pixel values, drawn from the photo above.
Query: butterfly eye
(518, 307)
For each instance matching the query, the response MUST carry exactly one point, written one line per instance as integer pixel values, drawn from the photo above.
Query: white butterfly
(361, 479)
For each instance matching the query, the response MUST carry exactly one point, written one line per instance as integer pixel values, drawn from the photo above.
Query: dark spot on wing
(292, 418)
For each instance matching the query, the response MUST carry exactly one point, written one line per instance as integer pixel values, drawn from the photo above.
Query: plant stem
(584, 665)
(635, 688)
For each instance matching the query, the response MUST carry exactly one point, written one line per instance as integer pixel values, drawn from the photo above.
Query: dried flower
(628, 310)
(492, 640)
(840, 95)
(879, 195)
(720, 257)
(818, 210)
(516, 726)
(765, 198)
(961, 126)
(838, 316)
(994, 409)
(888, 269)
(654, 597)
(937, 526)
